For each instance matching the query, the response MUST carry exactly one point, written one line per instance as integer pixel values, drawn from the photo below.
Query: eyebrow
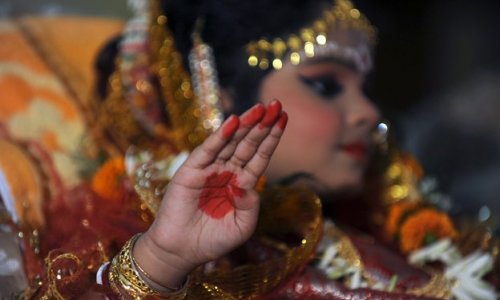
(331, 59)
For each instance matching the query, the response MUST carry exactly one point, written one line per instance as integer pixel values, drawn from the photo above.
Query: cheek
(313, 123)
(310, 120)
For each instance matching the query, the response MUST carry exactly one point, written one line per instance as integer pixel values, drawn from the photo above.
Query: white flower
(465, 273)
(336, 267)
(434, 252)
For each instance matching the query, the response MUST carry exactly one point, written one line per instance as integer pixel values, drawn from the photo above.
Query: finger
(246, 149)
(253, 115)
(258, 163)
(248, 120)
(208, 151)
(273, 112)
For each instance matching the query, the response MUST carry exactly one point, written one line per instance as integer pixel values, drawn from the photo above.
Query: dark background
(437, 81)
(429, 46)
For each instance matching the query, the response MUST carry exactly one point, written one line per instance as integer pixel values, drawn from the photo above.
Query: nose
(361, 112)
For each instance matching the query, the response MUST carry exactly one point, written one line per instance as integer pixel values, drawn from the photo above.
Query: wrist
(162, 266)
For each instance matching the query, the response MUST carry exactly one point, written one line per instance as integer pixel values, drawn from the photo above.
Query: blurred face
(327, 143)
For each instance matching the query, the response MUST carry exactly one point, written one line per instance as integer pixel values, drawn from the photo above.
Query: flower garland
(414, 225)
(418, 228)
(412, 221)
(465, 272)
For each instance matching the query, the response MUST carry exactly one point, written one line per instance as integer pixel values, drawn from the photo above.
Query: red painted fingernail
(283, 120)
(253, 116)
(273, 111)
(230, 126)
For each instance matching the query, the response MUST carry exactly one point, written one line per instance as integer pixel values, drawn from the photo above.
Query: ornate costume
(76, 210)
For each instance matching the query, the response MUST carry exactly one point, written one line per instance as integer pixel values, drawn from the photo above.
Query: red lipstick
(357, 150)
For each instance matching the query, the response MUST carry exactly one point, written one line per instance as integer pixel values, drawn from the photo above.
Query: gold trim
(342, 14)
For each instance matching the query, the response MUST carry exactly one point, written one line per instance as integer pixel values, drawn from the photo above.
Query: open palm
(210, 206)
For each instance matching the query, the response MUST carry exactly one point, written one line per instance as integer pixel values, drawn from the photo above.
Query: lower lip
(357, 152)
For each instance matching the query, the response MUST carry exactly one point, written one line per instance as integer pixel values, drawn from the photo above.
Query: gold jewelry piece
(205, 81)
(127, 274)
(53, 277)
(148, 58)
(342, 14)
(185, 118)
(122, 273)
(437, 287)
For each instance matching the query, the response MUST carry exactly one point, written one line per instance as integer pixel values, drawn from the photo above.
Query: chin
(331, 191)
(340, 182)
(344, 185)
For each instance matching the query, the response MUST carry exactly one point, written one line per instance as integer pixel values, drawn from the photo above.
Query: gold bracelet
(125, 272)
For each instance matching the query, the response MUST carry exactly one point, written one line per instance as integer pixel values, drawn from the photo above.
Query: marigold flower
(107, 181)
(396, 212)
(423, 228)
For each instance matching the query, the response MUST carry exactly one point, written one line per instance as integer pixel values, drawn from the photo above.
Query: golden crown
(342, 14)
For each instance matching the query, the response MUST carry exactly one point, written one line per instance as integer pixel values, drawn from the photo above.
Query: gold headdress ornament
(150, 77)
(342, 14)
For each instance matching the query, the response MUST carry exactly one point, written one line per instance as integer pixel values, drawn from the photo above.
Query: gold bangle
(126, 273)
(123, 272)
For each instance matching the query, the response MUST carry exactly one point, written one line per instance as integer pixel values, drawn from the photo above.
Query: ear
(226, 100)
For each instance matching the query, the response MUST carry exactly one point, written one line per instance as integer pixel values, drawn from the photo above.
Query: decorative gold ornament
(150, 72)
(53, 277)
(124, 274)
(186, 120)
(309, 40)
(205, 81)
(438, 287)
(253, 280)
(401, 179)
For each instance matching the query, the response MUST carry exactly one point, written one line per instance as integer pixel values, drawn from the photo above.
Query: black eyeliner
(325, 85)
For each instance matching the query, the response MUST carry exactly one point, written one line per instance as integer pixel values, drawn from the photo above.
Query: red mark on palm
(218, 194)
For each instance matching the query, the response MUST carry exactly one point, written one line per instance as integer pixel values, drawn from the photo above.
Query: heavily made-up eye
(324, 85)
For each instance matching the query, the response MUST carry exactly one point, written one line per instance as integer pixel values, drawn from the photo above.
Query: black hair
(105, 65)
(228, 26)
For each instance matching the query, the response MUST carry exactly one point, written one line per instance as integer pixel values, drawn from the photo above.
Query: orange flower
(424, 227)
(396, 212)
(107, 181)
